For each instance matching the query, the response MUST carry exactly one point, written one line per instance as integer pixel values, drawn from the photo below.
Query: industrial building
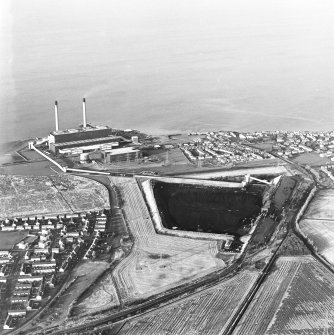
(122, 155)
(83, 139)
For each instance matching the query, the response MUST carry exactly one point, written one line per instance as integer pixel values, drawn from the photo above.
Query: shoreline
(12, 146)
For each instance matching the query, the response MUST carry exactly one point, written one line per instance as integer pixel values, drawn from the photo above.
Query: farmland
(296, 298)
(207, 312)
(29, 196)
(321, 233)
(157, 262)
(318, 224)
(322, 206)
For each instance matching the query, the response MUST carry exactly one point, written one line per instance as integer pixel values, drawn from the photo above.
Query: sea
(166, 66)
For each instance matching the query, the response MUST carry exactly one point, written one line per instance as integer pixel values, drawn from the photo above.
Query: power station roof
(79, 130)
(89, 140)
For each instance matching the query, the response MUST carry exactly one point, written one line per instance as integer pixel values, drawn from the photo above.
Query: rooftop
(100, 139)
(79, 130)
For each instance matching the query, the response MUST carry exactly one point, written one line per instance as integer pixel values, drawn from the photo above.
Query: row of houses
(90, 252)
(26, 293)
(222, 147)
(5, 257)
(40, 263)
(71, 255)
(288, 144)
(39, 222)
(100, 224)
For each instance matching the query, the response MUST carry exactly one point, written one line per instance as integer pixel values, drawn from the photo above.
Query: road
(179, 293)
(167, 298)
(237, 317)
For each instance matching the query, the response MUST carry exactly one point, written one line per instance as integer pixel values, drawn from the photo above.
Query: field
(81, 194)
(321, 233)
(101, 297)
(9, 238)
(81, 278)
(30, 168)
(322, 206)
(29, 196)
(157, 262)
(296, 298)
(166, 156)
(207, 312)
(312, 159)
(265, 146)
(318, 223)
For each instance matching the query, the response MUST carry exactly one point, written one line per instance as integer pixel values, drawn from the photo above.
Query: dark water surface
(164, 66)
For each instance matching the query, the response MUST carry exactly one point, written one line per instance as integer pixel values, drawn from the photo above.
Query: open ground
(82, 277)
(8, 239)
(318, 223)
(157, 262)
(29, 196)
(102, 295)
(207, 312)
(321, 233)
(322, 206)
(296, 298)
(312, 159)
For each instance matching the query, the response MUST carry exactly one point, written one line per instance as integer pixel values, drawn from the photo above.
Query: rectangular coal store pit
(208, 209)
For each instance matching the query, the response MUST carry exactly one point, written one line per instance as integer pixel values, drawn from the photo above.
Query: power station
(88, 138)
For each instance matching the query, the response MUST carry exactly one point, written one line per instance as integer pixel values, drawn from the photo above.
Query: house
(21, 292)
(20, 286)
(29, 279)
(22, 245)
(4, 260)
(22, 299)
(39, 251)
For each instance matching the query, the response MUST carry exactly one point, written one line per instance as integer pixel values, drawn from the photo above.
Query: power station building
(88, 139)
(122, 155)
(83, 139)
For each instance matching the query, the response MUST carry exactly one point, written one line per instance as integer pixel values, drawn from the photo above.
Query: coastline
(9, 147)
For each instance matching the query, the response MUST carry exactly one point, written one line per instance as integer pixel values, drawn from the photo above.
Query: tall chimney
(84, 112)
(56, 115)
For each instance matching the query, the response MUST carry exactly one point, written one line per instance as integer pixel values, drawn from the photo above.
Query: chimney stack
(84, 112)
(56, 115)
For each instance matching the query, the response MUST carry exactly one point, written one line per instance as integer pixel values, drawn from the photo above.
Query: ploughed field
(209, 209)
(318, 223)
(296, 298)
(207, 312)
